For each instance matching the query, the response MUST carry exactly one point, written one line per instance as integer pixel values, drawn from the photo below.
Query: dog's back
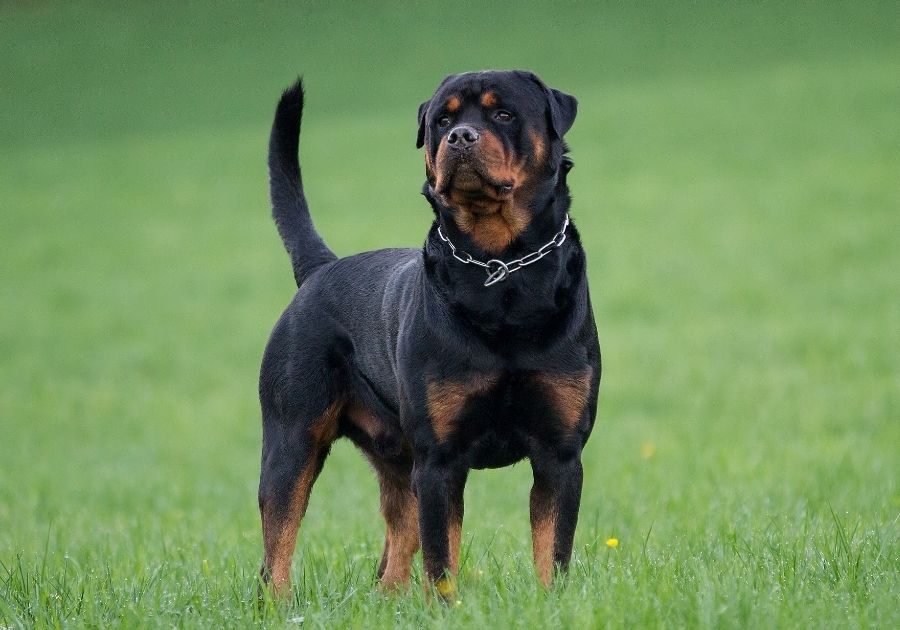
(351, 302)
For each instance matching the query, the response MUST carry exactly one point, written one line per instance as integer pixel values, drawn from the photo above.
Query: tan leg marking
(280, 531)
(543, 537)
(454, 531)
(401, 514)
(362, 417)
(382, 565)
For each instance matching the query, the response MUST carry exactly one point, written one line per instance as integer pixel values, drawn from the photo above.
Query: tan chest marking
(567, 393)
(446, 399)
(494, 232)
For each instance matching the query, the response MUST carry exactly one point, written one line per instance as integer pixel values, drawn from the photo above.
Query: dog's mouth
(466, 182)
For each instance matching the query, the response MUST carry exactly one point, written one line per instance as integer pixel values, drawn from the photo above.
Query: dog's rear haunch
(408, 353)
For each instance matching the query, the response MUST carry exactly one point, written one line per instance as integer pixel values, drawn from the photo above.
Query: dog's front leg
(555, 499)
(439, 487)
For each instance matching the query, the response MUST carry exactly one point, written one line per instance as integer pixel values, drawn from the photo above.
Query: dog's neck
(527, 303)
(530, 225)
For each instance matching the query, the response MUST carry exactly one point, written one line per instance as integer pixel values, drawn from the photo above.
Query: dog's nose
(462, 137)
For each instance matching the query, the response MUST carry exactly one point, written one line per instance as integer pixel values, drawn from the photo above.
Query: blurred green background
(737, 189)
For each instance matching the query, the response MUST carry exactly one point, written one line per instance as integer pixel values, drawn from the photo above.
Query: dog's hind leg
(295, 446)
(401, 517)
(381, 442)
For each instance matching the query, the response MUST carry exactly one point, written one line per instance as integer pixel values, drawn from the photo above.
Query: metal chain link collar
(497, 270)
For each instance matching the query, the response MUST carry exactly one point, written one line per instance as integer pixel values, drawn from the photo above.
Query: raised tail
(306, 248)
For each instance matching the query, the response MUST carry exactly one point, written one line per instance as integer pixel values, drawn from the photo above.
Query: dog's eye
(443, 121)
(503, 115)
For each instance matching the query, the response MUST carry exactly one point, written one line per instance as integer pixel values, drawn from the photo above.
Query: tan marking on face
(494, 222)
(568, 394)
(453, 104)
(440, 159)
(429, 167)
(537, 147)
(488, 99)
(446, 400)
(280, 530)
(499, 162)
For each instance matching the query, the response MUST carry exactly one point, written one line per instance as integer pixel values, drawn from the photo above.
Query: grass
(736, 184)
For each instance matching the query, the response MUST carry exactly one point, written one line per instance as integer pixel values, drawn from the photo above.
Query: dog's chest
(505, 414)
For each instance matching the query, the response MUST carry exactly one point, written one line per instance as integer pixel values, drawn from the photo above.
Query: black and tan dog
(476, 351)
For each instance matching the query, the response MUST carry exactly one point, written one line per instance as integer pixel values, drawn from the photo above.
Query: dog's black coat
(405, 351)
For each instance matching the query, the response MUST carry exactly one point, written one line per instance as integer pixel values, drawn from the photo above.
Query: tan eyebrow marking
(488, 99)
(453, 104)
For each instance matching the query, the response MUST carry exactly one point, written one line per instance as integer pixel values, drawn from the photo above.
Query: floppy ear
(420, 139)
(563, 108)
(423, 110)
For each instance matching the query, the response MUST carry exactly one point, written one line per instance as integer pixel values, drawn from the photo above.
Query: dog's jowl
(476, 351)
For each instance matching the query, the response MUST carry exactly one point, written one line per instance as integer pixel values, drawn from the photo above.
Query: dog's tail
(307, 249)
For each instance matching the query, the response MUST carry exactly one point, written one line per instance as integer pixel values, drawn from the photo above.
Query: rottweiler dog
(476, 351)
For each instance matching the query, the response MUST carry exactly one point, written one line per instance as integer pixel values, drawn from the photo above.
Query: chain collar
(497, 270)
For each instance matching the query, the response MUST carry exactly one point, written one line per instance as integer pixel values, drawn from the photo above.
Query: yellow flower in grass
(612, 543)
(446, 588)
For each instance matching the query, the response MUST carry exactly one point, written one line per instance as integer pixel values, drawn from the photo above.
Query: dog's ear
(423, 109)
(562, 107)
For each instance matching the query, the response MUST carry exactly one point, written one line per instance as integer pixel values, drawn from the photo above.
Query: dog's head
(492, 140)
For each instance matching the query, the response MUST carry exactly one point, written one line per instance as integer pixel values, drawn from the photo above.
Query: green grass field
(737, 188)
